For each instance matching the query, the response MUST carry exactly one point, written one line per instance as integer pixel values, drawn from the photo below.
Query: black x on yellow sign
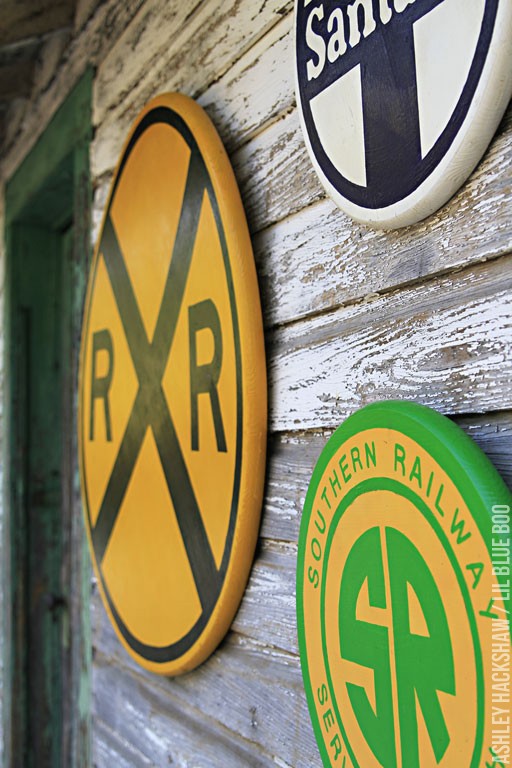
(172, 392)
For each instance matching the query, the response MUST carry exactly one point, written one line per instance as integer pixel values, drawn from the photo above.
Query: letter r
(100, 385)
(204, 378)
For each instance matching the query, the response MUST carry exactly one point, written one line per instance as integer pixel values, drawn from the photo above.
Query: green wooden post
(47, 648)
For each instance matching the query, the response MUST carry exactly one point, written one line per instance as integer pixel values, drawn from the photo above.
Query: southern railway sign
(403, 595)
(172, 392)
(400, 98)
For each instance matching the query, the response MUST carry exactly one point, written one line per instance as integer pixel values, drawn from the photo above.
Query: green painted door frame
(46, 645)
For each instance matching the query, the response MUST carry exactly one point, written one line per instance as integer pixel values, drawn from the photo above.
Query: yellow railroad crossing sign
(172, 392)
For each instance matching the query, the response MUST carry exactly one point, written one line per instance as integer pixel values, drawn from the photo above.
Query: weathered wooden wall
(351, 316)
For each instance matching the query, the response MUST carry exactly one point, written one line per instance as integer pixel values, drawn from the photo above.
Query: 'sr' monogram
(423, 664)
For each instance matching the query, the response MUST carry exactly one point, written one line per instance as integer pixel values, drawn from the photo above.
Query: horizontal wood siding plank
(110, 750)
(275, 174)
(255, 690)
(317, 258)
(145, 712)
(256, 90)
(267, 611)
(207, 42)
(445, 343)
(493, 433)
(292, 458)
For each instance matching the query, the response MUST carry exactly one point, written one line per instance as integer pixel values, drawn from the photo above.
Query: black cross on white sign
(414, 63)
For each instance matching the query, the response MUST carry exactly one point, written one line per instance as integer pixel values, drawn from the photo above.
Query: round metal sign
(400, 98)
(403, 594)
(172, 392)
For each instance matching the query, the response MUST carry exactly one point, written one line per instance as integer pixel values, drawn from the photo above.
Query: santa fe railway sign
(400, 98)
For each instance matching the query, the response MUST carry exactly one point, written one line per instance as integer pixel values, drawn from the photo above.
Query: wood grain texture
(111, 749)
(52, 50)
(84, 11)
(147, 725)
(292, 457)
(208, 38)
(254, 690)
(256, 90)
(317, 258)
(445, 343)
(493, 434)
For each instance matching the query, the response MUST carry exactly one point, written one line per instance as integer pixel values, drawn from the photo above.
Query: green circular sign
(403, 593)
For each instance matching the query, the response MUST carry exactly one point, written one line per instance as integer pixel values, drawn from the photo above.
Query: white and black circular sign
(400, 98)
